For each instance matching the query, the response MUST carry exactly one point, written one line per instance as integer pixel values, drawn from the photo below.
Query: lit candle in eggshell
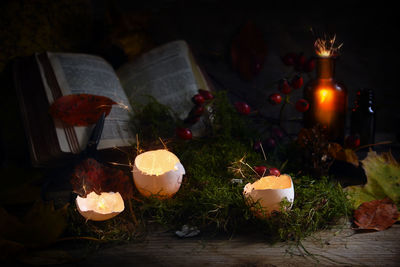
(158, 173)
(269, 191)
(100, 207)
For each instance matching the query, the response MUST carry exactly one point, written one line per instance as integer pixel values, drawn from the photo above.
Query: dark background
(368, 57)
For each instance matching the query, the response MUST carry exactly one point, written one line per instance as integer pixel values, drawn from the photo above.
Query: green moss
(208, 198)
(153, 121)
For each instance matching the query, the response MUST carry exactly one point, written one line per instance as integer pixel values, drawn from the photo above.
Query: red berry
(206, 94)
(310, 65)
(274, 171)
(198, 110)
(297, 82)
(184, 133)
(302, 105)
(242, 108)
(289, 59)
(300, 62)
(284, 87)
(260, 170)
(352, 141)
(198, 99)
(275, 99)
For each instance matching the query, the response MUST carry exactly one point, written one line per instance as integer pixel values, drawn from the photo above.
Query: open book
(169, 73)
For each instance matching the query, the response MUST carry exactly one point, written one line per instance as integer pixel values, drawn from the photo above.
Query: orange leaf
(376, 214)
(80, 109)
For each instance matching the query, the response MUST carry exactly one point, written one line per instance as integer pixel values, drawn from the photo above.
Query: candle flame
(157, 162)
(324, 95)
(101, 205)
(325, 105)
(325, 46)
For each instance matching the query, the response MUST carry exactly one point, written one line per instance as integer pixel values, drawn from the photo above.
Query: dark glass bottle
(363, 117)
(328, 101)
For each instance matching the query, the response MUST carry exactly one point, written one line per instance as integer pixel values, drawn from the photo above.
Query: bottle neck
(366, 99)
(325, 67)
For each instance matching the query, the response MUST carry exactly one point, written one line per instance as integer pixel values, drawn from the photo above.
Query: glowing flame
(156, 162)
(324, 95)
(325, 47)
(101, 205)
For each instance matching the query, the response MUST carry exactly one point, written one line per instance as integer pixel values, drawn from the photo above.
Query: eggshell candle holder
(269, 191)
(158, 173)
(100, 207)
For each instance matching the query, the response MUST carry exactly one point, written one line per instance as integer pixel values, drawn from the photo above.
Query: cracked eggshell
(270, 191)
(158, 173)
(100, 207)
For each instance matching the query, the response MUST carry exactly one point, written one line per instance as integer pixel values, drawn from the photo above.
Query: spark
(237, 170)
(120, 164)
(123, 106)
(326, 47)
(237, 166)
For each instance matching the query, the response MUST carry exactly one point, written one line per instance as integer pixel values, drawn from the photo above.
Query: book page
(80, 73)
(165, 73)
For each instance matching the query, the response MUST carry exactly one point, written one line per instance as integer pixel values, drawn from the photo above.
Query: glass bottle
(363, 117)
(328, 100)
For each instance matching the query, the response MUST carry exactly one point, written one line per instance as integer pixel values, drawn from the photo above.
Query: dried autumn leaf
(80, 109)
(87, 177)
(383, 179)
(248, 51)
(41, 225)
(118, 181)
(376, 215)
(92, 176)
(383, 173)
(343, 154)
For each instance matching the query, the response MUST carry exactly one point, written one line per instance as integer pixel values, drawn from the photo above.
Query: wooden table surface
(334, 247)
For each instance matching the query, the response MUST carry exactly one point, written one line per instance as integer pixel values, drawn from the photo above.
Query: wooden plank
(334, 247)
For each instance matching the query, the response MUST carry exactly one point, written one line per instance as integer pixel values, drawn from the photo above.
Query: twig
(165, 147)
(379, 143)
(262, 149)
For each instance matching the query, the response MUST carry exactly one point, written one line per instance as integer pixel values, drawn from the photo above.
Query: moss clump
(210, 200)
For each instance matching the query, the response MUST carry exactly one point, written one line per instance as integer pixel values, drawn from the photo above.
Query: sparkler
(237, 167)
(325, 46)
